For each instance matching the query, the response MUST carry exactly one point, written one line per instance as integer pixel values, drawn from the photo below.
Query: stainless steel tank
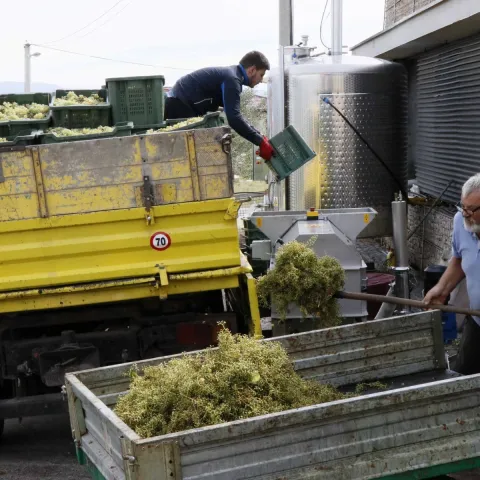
(372, 94)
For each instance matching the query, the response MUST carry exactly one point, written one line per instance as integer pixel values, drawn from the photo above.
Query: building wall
(411, 66)
(396, 10)
(432, 242)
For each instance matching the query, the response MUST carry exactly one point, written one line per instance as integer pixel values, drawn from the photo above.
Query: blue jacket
(207, 89)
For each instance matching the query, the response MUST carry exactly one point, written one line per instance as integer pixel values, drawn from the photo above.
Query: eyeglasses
(467, 211)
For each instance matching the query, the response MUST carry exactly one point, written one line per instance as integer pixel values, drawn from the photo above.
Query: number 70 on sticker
(160, 241)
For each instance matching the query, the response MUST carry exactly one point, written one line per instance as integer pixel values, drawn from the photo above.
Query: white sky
(180, 33)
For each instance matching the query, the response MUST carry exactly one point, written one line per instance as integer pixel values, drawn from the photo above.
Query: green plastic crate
(121, 129)
(17, 126)
(26, 137)
(143, 130)
(4, 129)
(137, 99)
(81, 116)
(291, 153)
(210, 120)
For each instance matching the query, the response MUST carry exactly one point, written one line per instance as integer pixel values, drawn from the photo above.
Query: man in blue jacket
(207, 89)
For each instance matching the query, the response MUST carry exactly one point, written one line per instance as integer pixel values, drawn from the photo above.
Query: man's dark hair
(255, 59)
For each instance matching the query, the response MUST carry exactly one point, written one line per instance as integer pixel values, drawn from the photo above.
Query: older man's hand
(435, 296)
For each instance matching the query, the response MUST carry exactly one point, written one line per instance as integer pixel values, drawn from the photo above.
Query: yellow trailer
(97, 225)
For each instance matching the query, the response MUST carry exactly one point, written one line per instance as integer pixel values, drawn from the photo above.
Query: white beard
(471, 227)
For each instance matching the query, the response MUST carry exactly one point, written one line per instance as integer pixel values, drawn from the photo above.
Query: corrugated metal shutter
(448, 117)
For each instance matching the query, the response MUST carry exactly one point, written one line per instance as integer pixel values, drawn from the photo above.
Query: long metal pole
(285, 39)
(399, 218)
(285, 29)
(27, 73)
(337, 18)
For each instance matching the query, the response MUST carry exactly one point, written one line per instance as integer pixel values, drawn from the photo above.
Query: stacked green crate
(137, 99)
(10, 127)
(81, 115)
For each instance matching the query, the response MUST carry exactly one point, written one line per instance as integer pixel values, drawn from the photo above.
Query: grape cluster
(73, 99)
(14, 111)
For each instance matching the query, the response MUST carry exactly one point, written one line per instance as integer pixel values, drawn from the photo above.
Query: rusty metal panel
(109, 174)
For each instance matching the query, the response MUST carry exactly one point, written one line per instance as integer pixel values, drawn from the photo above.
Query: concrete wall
(431, 245)
(396, 10)
(432, 242)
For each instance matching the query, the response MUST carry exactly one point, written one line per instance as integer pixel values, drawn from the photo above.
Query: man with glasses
(465, 263)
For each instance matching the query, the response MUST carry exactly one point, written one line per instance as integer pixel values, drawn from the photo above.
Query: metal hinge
(147, 192)
(227, 143)
(148, 199)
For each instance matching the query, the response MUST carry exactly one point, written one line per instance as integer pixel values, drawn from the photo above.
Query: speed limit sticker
(160, 241)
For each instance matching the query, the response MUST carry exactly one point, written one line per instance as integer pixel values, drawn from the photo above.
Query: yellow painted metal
(95, 247)
(224, 272)
(74, 229)
(77, 288)
(77, 297)
(255, 325)
(18, 192)
(232, 210)
(108, 174)
(163, 275)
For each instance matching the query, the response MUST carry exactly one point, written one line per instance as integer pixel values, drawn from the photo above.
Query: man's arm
(231, 90)
(449, 280)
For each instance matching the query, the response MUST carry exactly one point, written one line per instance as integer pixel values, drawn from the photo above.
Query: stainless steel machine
(371, 93)
(335, 230)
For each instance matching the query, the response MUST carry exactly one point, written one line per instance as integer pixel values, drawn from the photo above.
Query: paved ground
(39, 448)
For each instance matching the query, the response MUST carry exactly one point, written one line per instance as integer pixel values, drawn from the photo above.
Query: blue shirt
(466, 245)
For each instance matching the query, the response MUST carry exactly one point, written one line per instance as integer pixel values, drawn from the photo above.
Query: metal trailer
(425, 424)
(113, 250)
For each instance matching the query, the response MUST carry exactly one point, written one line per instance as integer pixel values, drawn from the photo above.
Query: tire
(2, 424)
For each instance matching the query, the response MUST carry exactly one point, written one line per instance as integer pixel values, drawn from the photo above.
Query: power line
(109, 59)
(321, 23)
(106, 21)
(86, 26)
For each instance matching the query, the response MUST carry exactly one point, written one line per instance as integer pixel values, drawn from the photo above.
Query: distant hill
(17, 87)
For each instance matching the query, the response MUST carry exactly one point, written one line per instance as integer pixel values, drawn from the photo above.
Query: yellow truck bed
(86, 225)
(118, 219)
(112, 174)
